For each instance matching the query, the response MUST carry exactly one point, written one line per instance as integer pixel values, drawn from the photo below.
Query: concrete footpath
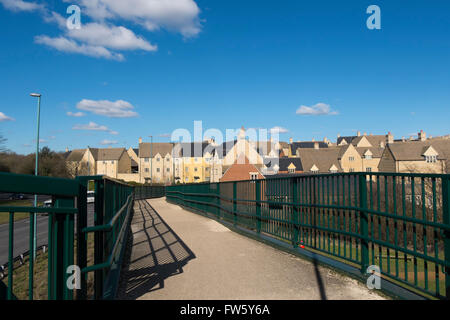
(177, 254)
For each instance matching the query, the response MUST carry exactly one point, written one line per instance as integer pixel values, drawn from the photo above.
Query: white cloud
(112, 37)
(108, 142)
(4, 117)
(316, 110)
(92, 126)
(19, 5)
(176, 15)
(112, 109)
(278, 130)
(67, 45)
(76, 114)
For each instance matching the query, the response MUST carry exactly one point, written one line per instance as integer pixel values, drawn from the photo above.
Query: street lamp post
(36, 95)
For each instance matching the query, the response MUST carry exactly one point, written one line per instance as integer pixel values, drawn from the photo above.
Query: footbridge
(332, 236)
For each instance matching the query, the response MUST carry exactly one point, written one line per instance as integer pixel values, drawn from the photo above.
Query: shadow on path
(319, 280)
(154, 253)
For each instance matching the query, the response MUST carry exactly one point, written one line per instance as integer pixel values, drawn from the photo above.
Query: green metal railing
(68, 233)
(398, 222)
(148, 192)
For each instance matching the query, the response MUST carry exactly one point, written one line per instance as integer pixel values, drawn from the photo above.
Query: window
(315, 171)
(145, 159)
(146, 170)
(291, 170)
(368, 157)
(430, 159)
(351, 158)
(195, 169)
(368, 169)
(333, 171)
(352, 170)
(104, 162)
(196, 159)
(253, 176)
(157, 159)
(112, 161)
(207, 169)
(168, 169)
(157, 169)
(167, 159)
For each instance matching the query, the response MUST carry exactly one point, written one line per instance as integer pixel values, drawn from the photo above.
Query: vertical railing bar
(424, 233)
(30, 258)
(11, 257)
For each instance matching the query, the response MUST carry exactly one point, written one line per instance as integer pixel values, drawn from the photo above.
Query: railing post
(235, 203)
(295, 211)
(446, 221)
(62, 250)
(364, 227)
(99, 211)
(81, 236)
(258, 205)
(218, 199)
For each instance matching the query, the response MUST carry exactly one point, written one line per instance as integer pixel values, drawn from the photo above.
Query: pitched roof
(347, 139)
(283, 163)
(108, 153)
(323, 159)
(307, 145)
(413, 150)
(148, 149)
(240, 170)
(374, 140)
(76, 155)
(377, 152)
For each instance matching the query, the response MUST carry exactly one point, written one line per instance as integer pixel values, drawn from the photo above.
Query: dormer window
(291, 170)
(351, 158)
(368, 157)
(431, 159)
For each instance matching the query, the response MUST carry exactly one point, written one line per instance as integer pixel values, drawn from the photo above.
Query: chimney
(291, 140)
(422, 135)
(365, 133)
(371, 134)
(358, 133)
(411, 138)
(313, 140)
(67, 149)
(389, 138)
(140, 140)
(339, 135)
(316, 145)
(325, 140)
(382, 144)
(403, 139)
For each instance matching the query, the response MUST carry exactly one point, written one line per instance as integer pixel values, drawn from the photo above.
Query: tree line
(51, 163)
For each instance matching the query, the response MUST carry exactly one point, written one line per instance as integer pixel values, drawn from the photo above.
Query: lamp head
(37, 95)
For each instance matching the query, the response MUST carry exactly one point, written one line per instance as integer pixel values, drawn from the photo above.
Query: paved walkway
(176, 254)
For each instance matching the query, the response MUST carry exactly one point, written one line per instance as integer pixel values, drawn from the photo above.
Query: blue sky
(134, 71)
